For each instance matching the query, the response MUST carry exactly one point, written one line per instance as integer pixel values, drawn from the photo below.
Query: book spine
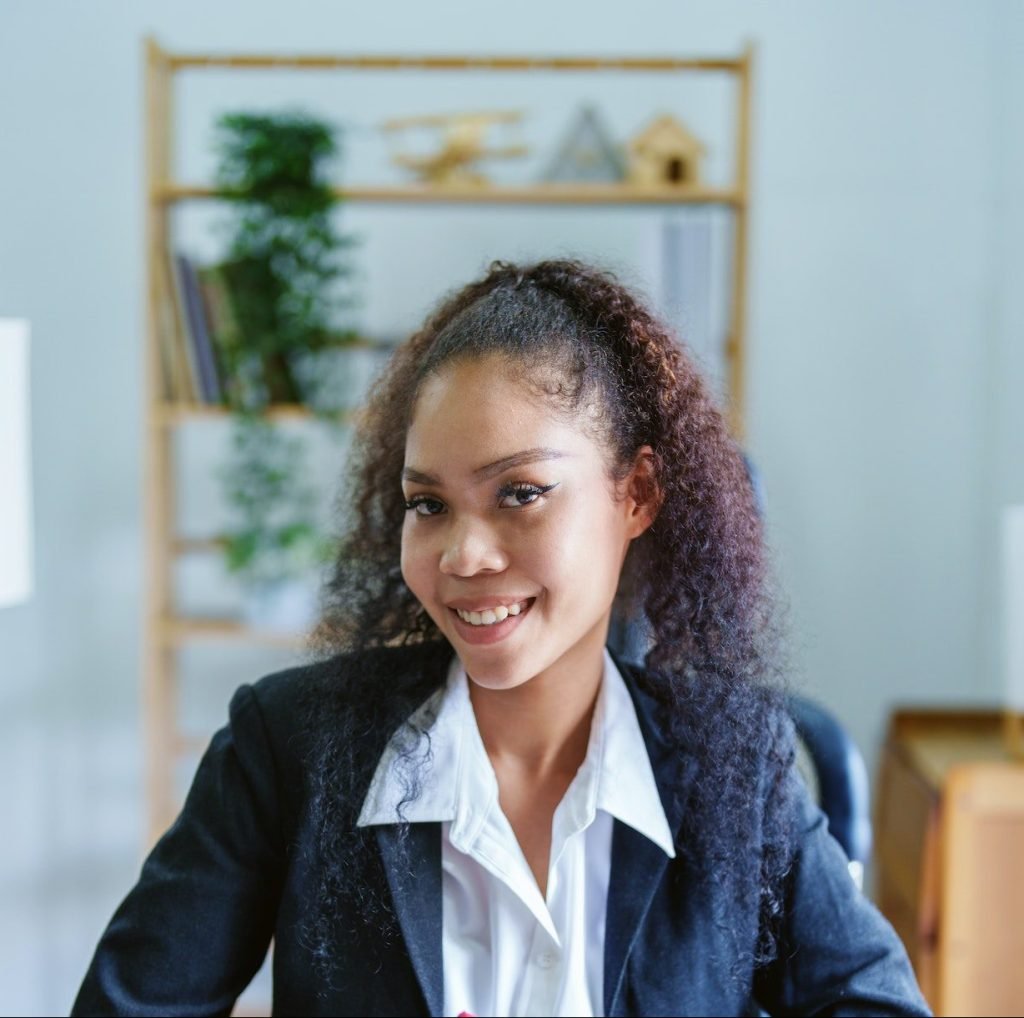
(199, 331)
(171, 384)
(184, 381)
(244, 375)
(224, 331)
(190, 369)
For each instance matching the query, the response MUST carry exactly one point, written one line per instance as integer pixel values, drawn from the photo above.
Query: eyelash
(514, 488)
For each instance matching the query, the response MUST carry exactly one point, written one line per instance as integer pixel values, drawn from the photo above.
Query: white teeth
(489, 616)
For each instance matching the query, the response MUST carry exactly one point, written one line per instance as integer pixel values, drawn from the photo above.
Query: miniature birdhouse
(665, 154)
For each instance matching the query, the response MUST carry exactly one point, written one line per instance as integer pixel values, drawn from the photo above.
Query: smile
(491, 624)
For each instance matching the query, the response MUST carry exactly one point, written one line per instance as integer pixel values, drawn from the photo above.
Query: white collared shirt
(506, 949)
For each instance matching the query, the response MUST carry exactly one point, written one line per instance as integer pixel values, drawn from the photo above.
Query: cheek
(597, 549)
(415, 569)
(578, 552)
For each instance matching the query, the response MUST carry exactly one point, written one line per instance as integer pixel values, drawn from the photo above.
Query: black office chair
(830, 761)
(838, 775)
(840, 780)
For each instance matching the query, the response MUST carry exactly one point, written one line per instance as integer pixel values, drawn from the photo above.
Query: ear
(643, 493)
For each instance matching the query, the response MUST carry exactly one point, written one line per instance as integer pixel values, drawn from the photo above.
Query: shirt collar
(439, 745)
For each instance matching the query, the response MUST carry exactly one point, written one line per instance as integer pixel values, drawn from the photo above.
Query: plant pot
(286, 605)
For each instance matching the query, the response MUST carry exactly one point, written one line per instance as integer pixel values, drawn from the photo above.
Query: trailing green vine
(284, 271)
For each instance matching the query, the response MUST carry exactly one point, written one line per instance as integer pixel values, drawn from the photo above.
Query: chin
(494, 680)
(489, 672)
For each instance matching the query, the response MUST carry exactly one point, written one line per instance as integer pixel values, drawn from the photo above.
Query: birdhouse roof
(665, 134)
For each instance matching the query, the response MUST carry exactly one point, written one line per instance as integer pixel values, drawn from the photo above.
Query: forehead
(475, 411)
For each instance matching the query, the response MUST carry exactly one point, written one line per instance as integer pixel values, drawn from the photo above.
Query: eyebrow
(517, 459)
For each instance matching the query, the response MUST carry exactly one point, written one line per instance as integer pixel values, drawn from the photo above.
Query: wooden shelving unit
(165, 632)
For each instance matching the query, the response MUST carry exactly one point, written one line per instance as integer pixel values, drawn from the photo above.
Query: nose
(472, 548)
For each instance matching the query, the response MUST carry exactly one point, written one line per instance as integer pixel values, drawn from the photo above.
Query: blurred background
(883, 358)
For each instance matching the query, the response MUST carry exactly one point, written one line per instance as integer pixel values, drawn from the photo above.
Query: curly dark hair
(696, 581)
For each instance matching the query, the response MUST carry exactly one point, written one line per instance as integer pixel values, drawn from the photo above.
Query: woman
(467, 804)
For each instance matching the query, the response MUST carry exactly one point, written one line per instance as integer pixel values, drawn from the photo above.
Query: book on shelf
(164, 330)
(178, 381)
(204, 356)
(243, 383)
(192, 313)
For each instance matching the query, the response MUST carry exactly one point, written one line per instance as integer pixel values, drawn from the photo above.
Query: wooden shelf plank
(176, 631)
(534, 194)
(197, 545)
(190, 745)
(170, 415)
(314, 61)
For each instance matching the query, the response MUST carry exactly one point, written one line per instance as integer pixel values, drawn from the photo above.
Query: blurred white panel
(1013, 600)
(15, 481)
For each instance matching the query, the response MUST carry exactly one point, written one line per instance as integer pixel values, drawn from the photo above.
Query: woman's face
(513, 540)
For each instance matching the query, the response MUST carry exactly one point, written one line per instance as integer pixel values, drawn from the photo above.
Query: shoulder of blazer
(291, 699)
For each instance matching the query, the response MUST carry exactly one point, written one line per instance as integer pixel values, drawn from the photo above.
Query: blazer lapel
(638, 865)
(414, 877)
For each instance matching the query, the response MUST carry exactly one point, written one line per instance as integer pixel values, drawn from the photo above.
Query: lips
(493, 633)
(482, 603)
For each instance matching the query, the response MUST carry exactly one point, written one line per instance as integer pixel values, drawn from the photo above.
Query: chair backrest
(840, 775)
(841, 778)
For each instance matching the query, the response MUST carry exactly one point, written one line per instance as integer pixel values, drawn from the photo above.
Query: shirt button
(545, 959)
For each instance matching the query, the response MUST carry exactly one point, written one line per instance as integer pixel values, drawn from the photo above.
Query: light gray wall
(885, 330)
(1003, 453)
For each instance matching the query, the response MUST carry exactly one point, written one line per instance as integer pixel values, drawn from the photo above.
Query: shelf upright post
(159, 701)
(736, 343)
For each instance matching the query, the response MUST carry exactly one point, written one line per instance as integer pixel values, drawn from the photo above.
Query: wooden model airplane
(462, 145)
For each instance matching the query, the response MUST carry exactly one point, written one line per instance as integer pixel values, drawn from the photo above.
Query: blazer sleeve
(837, 954)
(195, 929)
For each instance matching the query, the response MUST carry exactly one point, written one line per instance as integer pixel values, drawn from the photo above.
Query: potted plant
(282, 276)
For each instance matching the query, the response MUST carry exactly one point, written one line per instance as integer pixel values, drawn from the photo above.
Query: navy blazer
(237, 869)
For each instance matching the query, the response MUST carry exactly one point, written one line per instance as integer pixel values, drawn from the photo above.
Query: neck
(543, 725)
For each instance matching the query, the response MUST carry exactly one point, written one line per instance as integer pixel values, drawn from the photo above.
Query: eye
(521, 494)
(430, 506)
